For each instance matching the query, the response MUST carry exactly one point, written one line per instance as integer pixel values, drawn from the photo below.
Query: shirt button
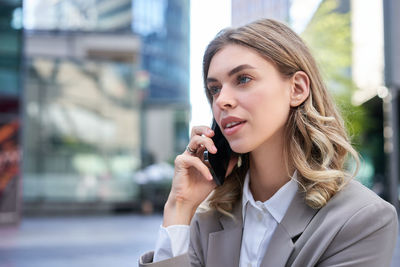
(249, 264)
(259, 216)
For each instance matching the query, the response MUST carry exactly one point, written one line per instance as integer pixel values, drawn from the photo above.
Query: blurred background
(97, 98)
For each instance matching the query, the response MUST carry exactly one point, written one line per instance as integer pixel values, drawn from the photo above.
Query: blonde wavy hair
(317, 143)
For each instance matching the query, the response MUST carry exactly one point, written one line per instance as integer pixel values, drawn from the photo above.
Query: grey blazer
(355, 228)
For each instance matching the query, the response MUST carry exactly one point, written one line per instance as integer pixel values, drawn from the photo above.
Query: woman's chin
(240, 149)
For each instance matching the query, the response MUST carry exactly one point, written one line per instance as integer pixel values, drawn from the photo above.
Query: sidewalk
(101, 241)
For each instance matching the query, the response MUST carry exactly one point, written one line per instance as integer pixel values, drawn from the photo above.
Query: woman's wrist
(177, 213)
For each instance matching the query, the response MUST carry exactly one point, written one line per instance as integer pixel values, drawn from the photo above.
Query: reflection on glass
(81, 15)
(149, 16)
(95, 123)
(84, 136)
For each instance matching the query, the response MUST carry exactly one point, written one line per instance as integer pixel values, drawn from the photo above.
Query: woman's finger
(198, 143)
(201, 130)
(187, 162)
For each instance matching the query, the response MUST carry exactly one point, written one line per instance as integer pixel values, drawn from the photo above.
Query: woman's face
(251, 100)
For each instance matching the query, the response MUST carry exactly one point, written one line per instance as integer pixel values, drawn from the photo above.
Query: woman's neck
(268, 172)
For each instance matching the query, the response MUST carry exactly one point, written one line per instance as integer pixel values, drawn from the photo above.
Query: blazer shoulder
(355, 207)
(208, 220)
(351, 207)
(356, 218)
(211, 220)
(349, 227)
(355, 196)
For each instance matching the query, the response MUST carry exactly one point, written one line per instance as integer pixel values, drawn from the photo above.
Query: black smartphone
(219, 161)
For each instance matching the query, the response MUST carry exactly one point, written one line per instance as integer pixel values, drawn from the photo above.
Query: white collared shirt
(260, 220)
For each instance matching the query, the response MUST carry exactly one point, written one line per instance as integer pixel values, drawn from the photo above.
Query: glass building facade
(166, 51)
(107, 95)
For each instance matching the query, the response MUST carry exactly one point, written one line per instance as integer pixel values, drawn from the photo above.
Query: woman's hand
(192, 182)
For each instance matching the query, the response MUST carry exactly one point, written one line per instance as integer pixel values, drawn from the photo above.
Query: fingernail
(214, 148)
(210, 177)
(209, 131)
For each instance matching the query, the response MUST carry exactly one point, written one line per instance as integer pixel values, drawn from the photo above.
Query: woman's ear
(300, 88)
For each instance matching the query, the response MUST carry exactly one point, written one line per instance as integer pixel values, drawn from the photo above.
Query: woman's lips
(232, 128)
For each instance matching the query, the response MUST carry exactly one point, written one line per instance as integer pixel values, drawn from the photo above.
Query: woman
(287, 199)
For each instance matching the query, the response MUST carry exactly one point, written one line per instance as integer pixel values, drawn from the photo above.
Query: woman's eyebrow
(210, 80)
(233, 71)
(239, 68)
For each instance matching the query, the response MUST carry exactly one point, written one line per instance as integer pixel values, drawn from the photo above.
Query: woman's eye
(243, 79)
(213, 90)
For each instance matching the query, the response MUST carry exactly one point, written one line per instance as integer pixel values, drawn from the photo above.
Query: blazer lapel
(224, 246)
(293, 224)
(279, 249)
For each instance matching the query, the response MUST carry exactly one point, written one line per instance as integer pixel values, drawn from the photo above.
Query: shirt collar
(277, 205)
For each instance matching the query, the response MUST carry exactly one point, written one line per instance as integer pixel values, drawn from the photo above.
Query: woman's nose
(226, 98)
